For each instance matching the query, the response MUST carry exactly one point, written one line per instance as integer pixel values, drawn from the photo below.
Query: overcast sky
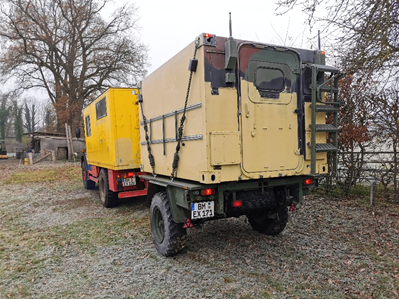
(168, 26)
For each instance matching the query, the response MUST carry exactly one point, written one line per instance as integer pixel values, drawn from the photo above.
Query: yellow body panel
(213, 125)
(270, 133)
(114, 139)
(164, 91)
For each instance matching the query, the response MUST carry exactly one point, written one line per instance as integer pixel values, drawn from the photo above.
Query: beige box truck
(230, 128)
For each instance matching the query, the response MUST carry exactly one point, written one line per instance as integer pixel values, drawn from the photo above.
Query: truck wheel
(169, 237)
(269, 222)
(88, 184)
(108, 198)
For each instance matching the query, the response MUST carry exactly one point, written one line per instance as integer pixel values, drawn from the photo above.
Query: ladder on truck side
(331, 107)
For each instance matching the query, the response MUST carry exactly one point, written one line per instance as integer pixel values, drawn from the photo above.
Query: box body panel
(112, 140)
(164, 94)
(245, 123)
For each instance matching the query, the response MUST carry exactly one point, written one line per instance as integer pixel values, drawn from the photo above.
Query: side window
(88, 127)
(269, 81)
(101, 108)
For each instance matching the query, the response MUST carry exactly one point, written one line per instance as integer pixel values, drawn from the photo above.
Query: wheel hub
(159, 226)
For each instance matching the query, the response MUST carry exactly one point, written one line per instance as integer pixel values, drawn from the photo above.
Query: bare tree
(366, 31)
(31, 115)
(354, 135)
(49, 119)
(17, 111)
(68, 48)
(386, 113)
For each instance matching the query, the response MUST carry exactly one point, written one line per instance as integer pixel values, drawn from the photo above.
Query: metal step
(326, 108)
(326, 128)
(325, 147)
(326, 88)
(330, 103)
(326, 68)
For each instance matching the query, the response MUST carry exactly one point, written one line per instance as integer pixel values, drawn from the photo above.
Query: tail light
(237, 203)
(308, 182)
(126, 175)
(207, 192)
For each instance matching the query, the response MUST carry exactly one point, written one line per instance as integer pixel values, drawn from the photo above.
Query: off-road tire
(260, 221)
(169, 237)
(88, 184)
(108, 198)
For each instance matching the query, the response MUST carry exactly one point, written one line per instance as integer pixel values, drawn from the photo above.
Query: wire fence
(363, 174)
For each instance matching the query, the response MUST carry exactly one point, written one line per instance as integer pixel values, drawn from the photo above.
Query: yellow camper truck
(227, 128)
(112, 155)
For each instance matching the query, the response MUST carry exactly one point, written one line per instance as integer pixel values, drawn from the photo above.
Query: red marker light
(207, 35)
(237, 203)
(188, 223)
(308, 182)
(118, 176)
(207, 192)
(127, 175)
(323, 53)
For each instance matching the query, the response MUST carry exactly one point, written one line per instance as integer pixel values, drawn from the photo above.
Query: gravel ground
(57, 241)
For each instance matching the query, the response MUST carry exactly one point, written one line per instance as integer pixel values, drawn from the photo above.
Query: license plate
(203, 209)
(128, 182)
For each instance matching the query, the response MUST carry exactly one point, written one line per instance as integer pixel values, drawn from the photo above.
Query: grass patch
(267, 295)
(229, 280)
(54, 233)
(68, 173)
(93, 232)
(20, 265)
(26, 252)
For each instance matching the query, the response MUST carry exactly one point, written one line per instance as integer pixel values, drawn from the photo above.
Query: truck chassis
(113, 184)
(264, 202)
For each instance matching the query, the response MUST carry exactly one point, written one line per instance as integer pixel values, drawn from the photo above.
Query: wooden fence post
(67, 141)
(372, 192)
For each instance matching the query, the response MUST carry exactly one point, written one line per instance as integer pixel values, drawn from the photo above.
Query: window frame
(99, 113)
(88, 126)
(268, 89)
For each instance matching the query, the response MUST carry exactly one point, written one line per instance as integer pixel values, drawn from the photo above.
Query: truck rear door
(269, 87)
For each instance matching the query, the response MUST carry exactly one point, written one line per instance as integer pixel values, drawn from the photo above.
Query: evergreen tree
(18, 124)
(4, 116)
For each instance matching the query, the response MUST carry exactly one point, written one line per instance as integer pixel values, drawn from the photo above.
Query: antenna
(230, 48)
(318, 38)
(231, 30)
